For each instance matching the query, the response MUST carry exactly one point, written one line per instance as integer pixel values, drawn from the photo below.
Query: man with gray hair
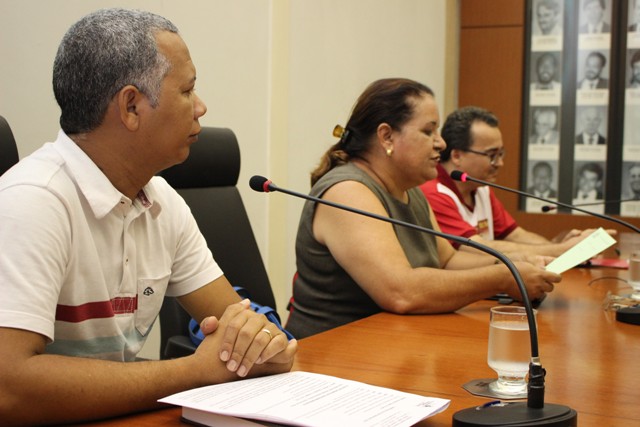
(92, 240)
(545, 120)
(592, 118)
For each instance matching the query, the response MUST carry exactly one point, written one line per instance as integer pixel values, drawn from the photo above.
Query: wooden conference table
(592, 360)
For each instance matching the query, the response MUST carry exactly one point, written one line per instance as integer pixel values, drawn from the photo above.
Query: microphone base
(516, 414)
(629, 315)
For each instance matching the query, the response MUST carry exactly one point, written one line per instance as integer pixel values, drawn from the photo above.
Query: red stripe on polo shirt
(96, 310)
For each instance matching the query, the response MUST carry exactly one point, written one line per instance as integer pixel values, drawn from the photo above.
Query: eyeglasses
(493, 155)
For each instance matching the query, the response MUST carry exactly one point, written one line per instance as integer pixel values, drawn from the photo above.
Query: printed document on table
(306, 399)
(591, 246)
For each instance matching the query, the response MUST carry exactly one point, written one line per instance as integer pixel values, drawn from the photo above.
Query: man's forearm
(51, 389)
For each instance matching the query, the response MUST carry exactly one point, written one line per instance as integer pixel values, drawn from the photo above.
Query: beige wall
(280, 73)
(335, 48)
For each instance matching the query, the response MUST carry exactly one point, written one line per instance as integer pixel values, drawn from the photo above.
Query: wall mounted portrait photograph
(630, 195)
(546, 74)
(545, 71)
(593, 70)
(591, 125)
(582, 98)
(589, 180)
(633, 69)
(595, 17)
(547, 17)
(543, 180)
(630, 181)
(634, 16)
(547, 25)
(632, 131)
(633, 34)
(594, 31)
(544, 129)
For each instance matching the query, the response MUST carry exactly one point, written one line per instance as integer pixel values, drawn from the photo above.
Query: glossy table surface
(592, 360)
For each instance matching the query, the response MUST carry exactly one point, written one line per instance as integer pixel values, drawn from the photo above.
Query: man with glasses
(471, 210)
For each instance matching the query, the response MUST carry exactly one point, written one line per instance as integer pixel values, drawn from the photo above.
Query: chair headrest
(8, 147)
(214, 161)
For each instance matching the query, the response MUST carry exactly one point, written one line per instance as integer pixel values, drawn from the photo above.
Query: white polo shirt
(85, 266)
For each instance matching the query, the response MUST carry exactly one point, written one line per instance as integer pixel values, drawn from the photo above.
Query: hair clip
(342, 133)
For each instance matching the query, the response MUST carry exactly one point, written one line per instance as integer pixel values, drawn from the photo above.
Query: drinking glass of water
(509, 349)
(634, 274)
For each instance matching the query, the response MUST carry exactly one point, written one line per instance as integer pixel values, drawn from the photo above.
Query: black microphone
(547, 208)
(534, 411)
(463, 177)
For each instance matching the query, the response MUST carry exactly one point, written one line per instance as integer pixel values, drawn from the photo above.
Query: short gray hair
(99, 55)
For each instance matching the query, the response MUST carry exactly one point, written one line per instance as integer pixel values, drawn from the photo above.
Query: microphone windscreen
(547, 208)
(458, 176)
(257, 183)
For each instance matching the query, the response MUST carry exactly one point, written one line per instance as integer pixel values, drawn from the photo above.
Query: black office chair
(8, 147)
(207, 181)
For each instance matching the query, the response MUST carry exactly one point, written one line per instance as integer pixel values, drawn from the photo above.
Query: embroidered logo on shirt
(483, 226)
(148, 291)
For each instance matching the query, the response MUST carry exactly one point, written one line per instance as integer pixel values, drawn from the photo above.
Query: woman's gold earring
(389, 151)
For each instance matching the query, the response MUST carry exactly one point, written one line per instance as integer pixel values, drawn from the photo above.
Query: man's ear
(129, 100)
(455, 156)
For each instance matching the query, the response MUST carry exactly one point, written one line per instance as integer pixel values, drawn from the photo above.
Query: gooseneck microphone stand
(463, 177)
(532, 413)
(629, 315)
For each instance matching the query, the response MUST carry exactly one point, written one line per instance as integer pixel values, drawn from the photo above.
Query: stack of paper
(304, 399)
(591, 246)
